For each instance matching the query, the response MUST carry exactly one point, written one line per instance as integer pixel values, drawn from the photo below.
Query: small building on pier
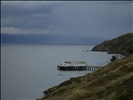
(76, 65)
(72, 65)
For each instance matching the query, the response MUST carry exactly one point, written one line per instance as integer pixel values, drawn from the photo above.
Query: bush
(124, 96)
(130, 50)
(113, 58)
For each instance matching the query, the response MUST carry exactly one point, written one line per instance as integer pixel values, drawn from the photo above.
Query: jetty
(76, 65)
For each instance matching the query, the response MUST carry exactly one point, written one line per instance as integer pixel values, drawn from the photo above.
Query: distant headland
(48, 39)
(120, 45)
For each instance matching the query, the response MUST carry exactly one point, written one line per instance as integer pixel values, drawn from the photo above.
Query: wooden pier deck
(73, 68)
(92, 68)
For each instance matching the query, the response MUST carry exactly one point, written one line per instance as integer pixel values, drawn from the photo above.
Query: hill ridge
(111, 82)
(119, 45)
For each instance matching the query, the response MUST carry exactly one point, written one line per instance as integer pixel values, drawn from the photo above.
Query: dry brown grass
(112, 82)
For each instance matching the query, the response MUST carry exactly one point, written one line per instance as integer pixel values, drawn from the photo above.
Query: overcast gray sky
(106, 19)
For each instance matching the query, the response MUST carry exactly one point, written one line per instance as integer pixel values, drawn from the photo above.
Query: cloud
(95, 18)
(119, 2)
(26, 15)
(83, 18)
(21, 8)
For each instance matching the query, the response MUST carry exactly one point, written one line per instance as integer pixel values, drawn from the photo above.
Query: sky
(104, 19)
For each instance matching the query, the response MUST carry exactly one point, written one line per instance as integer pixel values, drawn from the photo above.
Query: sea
(28, 70)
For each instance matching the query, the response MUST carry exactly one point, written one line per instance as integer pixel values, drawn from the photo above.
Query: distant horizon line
(48, 44)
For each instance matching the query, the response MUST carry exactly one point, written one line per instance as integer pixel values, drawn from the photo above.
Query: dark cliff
(122, 45)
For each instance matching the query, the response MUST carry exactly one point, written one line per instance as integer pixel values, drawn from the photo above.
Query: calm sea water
(28, 70)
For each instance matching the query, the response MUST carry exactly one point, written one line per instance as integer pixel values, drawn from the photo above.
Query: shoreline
(75, 88)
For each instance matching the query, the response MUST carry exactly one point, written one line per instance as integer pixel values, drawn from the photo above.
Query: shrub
(113, 58)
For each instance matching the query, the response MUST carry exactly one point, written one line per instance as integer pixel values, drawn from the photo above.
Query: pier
(92, 68)
(73, 68)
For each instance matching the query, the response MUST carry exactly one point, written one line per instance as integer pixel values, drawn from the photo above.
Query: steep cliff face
(122, 44)
(111, 82)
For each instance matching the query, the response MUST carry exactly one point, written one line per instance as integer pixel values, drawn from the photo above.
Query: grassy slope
(111, 82)
(120, 44)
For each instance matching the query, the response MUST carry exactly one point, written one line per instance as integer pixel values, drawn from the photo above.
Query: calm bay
(28, 70)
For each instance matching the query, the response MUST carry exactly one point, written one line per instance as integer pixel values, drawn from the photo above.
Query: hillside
(121, 44)
(111, 82)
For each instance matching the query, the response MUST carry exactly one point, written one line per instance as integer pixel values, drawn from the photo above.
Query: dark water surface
(28, 70)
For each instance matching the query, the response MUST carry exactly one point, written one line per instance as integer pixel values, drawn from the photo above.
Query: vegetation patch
(120, 45)
(111, 82)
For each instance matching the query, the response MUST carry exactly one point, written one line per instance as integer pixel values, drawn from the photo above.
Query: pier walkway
(92, 68)
(72, 68)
